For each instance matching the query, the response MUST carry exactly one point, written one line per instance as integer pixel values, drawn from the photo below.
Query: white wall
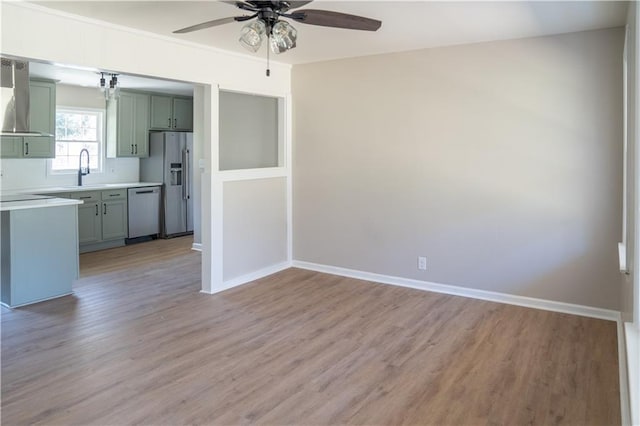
(255, 216)
(34, 173)
(34, 32)
(500, 162)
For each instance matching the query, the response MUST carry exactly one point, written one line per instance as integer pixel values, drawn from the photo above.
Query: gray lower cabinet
(89, 223)
(102, 219)
(114, 219)
(39, 254)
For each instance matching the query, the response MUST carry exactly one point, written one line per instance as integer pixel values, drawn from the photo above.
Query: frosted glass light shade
(283, 37)
(252, 34)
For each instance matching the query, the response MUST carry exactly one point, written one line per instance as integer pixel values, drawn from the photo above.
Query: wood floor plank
(138, 344)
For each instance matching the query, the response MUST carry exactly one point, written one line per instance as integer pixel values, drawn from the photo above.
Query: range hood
(14, 98)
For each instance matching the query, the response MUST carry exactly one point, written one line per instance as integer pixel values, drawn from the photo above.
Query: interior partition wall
(250, 187)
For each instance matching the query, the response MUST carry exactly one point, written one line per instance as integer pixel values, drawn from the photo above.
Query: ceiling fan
(282, 36)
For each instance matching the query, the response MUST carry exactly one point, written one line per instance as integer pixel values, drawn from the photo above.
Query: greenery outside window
(78, 129)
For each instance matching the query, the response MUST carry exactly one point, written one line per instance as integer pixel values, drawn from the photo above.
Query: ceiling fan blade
(241, 5)
(327, 18)
(297, 4)
(213, 23)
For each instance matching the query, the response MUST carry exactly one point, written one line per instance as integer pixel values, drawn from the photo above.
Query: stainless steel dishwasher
(144, 211)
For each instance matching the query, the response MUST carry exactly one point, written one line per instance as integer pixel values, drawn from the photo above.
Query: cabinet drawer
(114, 194)
(86, 196)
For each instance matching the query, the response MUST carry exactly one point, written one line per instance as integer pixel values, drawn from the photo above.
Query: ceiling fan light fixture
(280, 34)
(252, 34)
(283, 37)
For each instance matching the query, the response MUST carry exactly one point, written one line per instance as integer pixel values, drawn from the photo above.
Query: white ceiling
(406, 25)
(84, 77)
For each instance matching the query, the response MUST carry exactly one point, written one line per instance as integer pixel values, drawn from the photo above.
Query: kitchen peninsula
(39, 248)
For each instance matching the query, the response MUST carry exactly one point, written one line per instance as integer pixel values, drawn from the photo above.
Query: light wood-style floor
(143, 346)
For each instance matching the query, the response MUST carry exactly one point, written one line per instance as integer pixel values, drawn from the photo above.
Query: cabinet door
(183, 113)
(161, 117)
(141, 142)
(42, 100)
(10, 147)
(114, 219)
(38, 147)
(125, 122)
(89, 223)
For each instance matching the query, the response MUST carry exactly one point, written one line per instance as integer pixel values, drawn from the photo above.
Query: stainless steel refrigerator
(170, 161)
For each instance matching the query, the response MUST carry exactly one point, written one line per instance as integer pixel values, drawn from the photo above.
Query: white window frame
(99, 168)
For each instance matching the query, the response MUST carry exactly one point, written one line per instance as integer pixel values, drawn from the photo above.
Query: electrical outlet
(422, 263)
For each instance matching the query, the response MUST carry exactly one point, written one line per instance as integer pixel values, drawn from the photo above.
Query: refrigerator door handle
(186, 178)
(185, 173)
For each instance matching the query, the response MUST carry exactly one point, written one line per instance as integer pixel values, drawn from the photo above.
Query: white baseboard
(252, 276)
(196, 246)
(529, 302)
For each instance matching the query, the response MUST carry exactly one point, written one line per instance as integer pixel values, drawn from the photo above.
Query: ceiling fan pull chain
(268, 45)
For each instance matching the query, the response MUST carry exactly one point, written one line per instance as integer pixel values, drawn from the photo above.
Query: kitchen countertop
(75, 188)
(37, 203)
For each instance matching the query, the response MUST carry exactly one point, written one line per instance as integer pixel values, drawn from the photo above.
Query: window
(77, 129)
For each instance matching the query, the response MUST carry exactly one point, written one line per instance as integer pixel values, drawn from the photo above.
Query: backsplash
(33, 173)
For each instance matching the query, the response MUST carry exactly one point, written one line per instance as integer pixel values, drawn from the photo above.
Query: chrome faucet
(86, 171)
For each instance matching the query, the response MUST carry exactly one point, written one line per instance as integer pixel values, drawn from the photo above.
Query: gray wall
(255, 225)
(248, 131)
(500, 162)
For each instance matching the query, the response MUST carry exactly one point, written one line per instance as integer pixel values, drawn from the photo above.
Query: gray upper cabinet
(43, 119)
(128, 126)
(183, 114)
(171, 113)
(11, 146)
(161, 115)
(42, 101)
